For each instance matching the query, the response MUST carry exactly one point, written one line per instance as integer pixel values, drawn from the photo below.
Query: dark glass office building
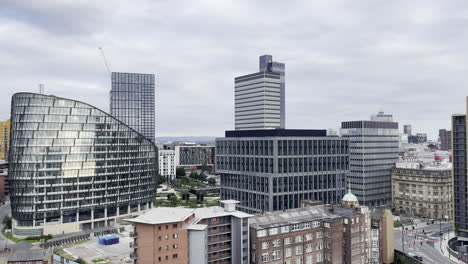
(74, 167)
(132, 101)
(460, 179)
(270, 170)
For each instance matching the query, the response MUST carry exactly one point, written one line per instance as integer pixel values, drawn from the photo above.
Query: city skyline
(404, 62)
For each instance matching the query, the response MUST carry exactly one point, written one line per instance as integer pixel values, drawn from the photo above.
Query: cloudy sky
(344, 59)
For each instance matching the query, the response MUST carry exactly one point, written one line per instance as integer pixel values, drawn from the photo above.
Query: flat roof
(162, 215)
(277, 133)
(197, 227)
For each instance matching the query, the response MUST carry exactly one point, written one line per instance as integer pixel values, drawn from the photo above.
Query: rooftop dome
(349, 197)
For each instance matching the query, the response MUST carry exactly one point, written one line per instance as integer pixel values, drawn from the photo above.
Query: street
(414, 238)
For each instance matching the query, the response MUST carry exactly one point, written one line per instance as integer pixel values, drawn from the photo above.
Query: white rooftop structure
(162, 215)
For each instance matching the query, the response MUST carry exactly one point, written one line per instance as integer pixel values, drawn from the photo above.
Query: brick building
(215, 235)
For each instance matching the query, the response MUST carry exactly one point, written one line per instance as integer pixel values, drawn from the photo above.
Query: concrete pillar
(117, 212)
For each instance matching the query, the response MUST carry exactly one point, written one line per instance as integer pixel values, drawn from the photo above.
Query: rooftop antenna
(105, 62)
(41, 88)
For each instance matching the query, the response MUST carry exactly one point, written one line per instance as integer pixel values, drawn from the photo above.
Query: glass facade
(132, 101)
(71, 162)
(277, 173)
(460, 179)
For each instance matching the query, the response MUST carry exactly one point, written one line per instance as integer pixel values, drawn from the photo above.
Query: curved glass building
(74, 167)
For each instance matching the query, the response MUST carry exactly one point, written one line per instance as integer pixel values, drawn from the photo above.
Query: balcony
(134, 245)
(134, 234)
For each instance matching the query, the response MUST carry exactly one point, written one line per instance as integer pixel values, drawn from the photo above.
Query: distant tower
(260, 97)
(407, 130)
(132, 101)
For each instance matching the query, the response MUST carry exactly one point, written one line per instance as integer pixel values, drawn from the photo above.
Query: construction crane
(105, 62)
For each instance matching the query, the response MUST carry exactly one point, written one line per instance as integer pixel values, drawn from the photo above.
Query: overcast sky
(345, 60)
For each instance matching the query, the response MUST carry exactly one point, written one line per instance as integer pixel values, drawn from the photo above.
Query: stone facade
(422, 192)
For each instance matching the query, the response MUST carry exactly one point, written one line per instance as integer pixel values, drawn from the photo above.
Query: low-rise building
(302, 235)
(423, 189)
(182, 235)
(194, 156)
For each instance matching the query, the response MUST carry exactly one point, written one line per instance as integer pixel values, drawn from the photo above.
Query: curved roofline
(76, 101)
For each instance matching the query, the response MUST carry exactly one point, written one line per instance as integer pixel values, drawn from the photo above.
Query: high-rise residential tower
(373, 154)
(74, 167)
(132, 101)
(260, 97)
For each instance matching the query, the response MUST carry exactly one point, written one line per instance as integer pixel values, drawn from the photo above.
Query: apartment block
(167, 163)
(445, 139)
(194, 156)
(217, 235)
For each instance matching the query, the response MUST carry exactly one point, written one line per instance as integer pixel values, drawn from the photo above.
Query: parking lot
(91, 251)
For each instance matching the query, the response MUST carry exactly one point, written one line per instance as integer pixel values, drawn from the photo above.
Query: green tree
(7, 222)
(194, 175)
(180, 172)
(212, 181)
(173, 201)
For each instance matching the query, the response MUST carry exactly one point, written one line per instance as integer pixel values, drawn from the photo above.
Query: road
(4, 211)
(415, 241)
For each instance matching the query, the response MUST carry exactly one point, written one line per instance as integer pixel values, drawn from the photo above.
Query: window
(299, 261)
(276, 243)
(298, 250)
(175, 246)
(261, 233)
(288, 261)
(287, 252)
(284, 229)
(174, 225)
(307, 225)
(174, 256)
(308, 237)
(265, 257)
(298, 239)
(319, 234)
(273, 231)
(316, 224)
(296, 227)
(287, 241)
(327, 225)
(264, 245)
(319, 257)
(309, 259)
(276, 255)
(319, 245)
(174, 236)
(166, 237)
(308, 248)
(345, 221)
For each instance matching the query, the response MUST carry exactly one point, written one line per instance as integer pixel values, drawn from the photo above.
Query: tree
(212, 181)
(7, 222)
(194, 175)
(161, 179)
(202, 177)
(173, 200)
(180, 172)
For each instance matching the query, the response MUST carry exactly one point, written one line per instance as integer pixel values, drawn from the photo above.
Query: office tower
(74, 167)
(260, 97)
(182, 235)
(373, 153)
(407, 130)
(460, 180)
(132, 101)
(4, 139)
(445, 138)
(269, 170)
(167, 165)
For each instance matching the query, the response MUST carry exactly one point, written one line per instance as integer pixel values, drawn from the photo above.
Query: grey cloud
(344, 59)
